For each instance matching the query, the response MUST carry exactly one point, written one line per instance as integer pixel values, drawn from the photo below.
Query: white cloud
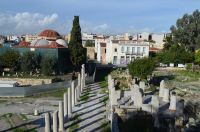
(133, 29)
(48, 19)
(25, 22)
(101, 27)
(93, 28)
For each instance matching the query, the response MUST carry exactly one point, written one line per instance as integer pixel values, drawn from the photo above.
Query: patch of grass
(105, 99)
(152, 88)
(3, 101)
(57, 94)
(106, 127)
(103, 84)
(7, 118)
(18, 130)
(23, 117)
(85, 96)
(103, 91)
(75, 119)
(191, 74)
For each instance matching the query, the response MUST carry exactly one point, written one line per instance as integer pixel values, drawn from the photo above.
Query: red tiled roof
(153, 49)
(52, 45)
(49, 33)
(23, 44)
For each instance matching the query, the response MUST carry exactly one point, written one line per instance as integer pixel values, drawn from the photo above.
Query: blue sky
(102, 16)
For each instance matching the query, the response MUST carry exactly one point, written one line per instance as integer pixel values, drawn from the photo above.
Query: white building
(99, 40)
(12, 38)
(29, 38)
(157, 40)
(86, 37)
(122, 52)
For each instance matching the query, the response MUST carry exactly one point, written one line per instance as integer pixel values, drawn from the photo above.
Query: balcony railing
(133, 53)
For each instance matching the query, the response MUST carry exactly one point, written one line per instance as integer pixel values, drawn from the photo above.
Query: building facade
(121, 52)
(30, 38)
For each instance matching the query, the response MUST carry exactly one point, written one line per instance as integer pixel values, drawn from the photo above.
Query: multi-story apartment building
(98, 40)
(122, 52)
(157, 40)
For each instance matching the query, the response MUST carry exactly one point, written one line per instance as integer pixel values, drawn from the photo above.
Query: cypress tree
(77, 52)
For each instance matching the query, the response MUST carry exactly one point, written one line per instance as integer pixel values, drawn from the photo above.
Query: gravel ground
(91, 112)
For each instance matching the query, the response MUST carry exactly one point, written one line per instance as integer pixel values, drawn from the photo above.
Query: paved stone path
(92, 112)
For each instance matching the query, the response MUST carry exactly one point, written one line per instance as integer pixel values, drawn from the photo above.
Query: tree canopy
(175, 54)
(30, 61)
(89, 43)
(142, 67)
(187, 31)
(197, 57)
(48, 65)
(10, 59)
(77, 52)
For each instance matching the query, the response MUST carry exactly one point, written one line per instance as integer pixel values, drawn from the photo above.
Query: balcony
(133, 53)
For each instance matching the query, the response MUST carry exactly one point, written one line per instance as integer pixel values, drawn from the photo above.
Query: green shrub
(189, 66)
(142, 67)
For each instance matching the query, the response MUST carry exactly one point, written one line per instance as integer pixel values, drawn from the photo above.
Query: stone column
(154, 103)
(73, 93)
(79, 84)
(161, 90)
(83, 75)
(172, 105)
(65, 105)
(133, 81)
(47, 122)
(55, 121)
(61, 120)
(166, 95)
(142, 85)
(36, 113)
(69, 103)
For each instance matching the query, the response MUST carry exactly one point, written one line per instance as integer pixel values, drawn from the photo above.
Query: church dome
(61, 42)
(49, 34)
(39, 42)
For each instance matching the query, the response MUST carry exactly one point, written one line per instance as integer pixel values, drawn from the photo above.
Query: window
(115, 60)
(138, 50)
(128, 49)
(150, 37)
(115, 49)
(143, 49)
(133, 49)
(122, 49)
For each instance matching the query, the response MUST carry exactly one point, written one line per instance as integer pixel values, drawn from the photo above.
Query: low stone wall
(32, 90)
(28, 81)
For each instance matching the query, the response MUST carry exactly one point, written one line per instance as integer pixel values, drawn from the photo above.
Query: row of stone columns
(70, 99)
